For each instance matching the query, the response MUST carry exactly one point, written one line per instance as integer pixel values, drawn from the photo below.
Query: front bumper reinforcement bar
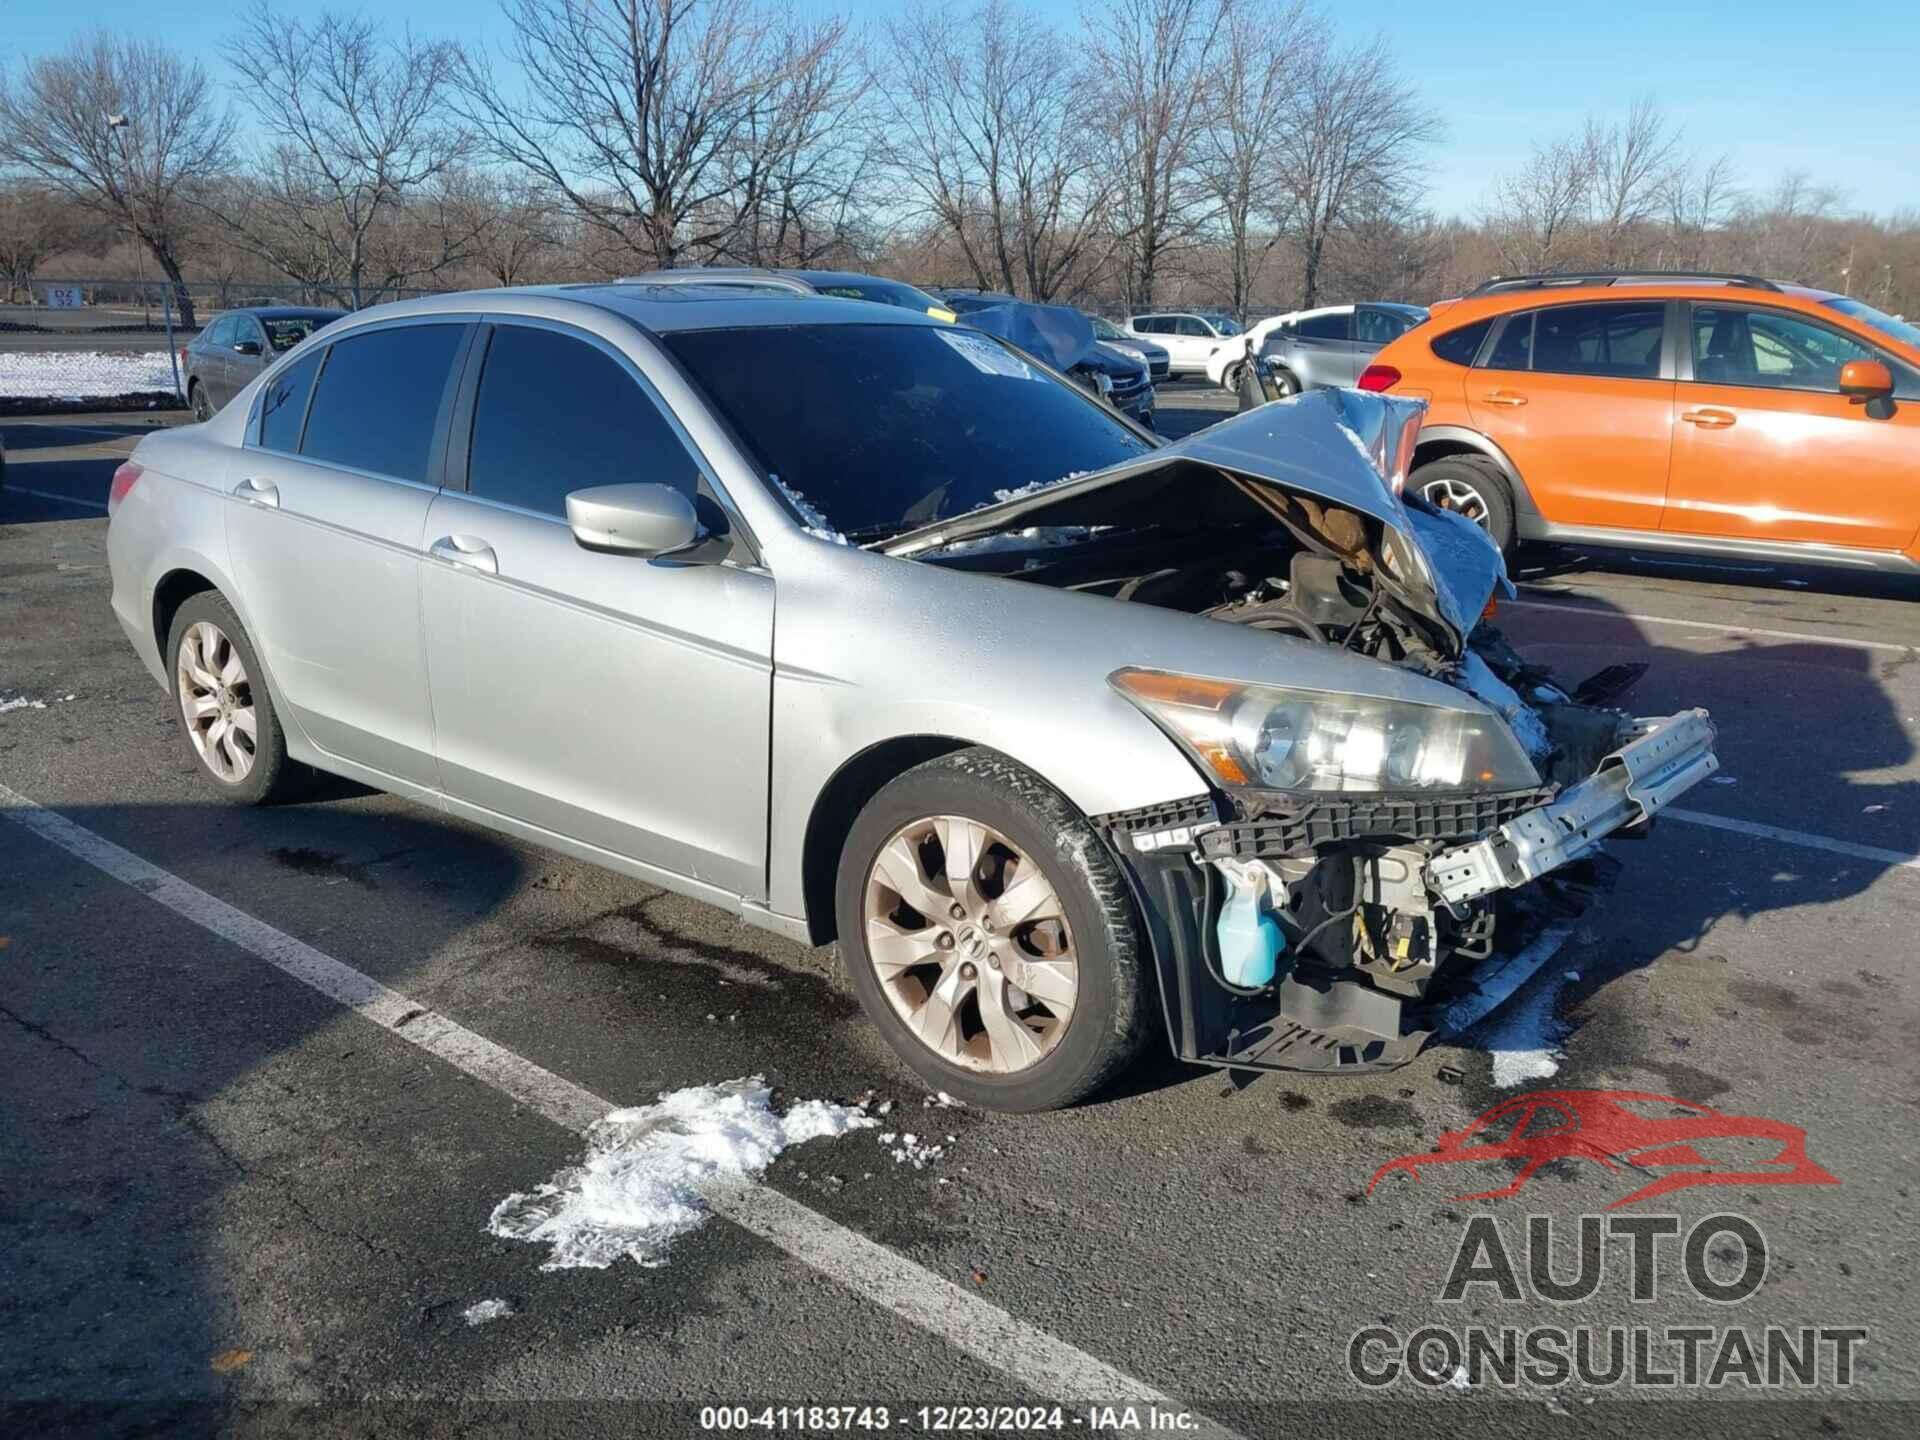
(1667, 758)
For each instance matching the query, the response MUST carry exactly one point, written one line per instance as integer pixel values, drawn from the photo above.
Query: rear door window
(378, 402)
(1194, 329)
(220, 332)
(1338, 326)
(1621, 340)
(556, 414)
(283, 405)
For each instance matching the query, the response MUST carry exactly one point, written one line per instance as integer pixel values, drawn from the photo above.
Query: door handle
(467, 551)
(259, 492)
(1709, 419)
(1503, 397)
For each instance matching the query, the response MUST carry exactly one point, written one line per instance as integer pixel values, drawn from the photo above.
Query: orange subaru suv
(1715, 414)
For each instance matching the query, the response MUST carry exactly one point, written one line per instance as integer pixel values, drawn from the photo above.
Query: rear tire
(197, 400)
(227, 719)
(1080, 935)
(1469, 485)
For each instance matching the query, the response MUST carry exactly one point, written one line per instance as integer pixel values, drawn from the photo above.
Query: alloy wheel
(1448, 493)
(970, 942)
(216, 702)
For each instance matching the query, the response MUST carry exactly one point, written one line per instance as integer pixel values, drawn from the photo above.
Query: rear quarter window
(1458, 347)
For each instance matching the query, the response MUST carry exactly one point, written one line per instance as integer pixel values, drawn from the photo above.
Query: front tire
(990, 936)
(227, 719)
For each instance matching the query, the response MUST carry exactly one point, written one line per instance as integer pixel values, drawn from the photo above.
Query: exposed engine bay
(1335, 925)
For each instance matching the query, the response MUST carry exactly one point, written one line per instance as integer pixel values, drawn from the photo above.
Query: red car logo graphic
(1616, 1129)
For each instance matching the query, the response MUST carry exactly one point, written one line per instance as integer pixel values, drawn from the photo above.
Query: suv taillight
(123, 479)
(1379, 377)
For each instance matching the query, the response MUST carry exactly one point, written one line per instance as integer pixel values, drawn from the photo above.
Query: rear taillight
(183, 359)
(1379, 377)
(122, 486)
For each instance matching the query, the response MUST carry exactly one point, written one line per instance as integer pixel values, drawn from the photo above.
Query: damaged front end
(1361, 866)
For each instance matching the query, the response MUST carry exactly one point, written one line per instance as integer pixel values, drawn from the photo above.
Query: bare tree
(1355, 144)
(36, 222)
(1538, 213)
(355, 123)
(1699, 200)
(1268, 46)
(1157, 59)
(1633, 167)
(644, 116)
(983, 116)
(515, 228)
(57, 121)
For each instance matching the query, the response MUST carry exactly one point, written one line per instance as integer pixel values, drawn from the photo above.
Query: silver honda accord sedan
(873, 629)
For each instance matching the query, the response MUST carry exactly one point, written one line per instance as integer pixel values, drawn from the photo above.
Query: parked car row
(1068, 737)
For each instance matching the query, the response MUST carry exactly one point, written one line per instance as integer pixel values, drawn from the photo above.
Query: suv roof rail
(1501, 283)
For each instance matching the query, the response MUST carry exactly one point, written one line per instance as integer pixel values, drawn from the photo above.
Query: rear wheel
(1472, 486)
(197, 398)
(226, 714)
(989, 935)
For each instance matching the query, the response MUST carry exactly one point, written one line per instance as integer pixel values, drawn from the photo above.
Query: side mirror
(633, 519)
(1863, 381)
(246, 347)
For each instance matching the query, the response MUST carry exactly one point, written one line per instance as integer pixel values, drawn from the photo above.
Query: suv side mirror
(246, 347)
(650, 520)
(1862, 381)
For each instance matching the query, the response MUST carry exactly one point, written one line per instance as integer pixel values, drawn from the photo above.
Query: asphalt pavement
(232, 1203)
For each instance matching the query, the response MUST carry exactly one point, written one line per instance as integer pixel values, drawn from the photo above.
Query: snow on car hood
(1347, 448)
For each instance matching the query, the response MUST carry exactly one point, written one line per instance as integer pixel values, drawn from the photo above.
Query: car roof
(281, 312)
(663, 309)
(1469, 308)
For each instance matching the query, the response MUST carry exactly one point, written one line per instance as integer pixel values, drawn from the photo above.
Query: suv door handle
(1709, 419)
(1503, 397)
(467, 551)
(259, 492)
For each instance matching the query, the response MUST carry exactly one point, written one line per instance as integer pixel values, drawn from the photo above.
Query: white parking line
(1798, 837)
(61, 499)
(1044, 1364)
(1595, 613)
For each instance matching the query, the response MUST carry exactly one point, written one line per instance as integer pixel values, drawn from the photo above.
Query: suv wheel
(989, 935)
(1472, 486)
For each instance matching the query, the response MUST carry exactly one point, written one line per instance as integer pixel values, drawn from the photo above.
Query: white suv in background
(1189, 339)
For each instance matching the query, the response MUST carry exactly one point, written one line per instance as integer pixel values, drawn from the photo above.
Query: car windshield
(1222, 324)
(1104, 329)
(1886, 324)
(883, 428)
(284, 332)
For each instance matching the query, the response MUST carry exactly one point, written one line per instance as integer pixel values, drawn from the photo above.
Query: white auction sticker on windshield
(987, 357)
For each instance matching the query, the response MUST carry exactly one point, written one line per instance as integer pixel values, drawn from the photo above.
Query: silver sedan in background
(869, 628)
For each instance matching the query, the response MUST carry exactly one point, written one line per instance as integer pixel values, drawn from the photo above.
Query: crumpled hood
(1346, 448)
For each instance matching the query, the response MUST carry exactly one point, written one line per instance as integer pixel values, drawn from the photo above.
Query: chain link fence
(92, 342)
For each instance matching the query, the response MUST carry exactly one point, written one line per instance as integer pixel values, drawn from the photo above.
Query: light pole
(119, 123)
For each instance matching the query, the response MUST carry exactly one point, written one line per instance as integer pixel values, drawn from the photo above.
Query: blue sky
(1776, 84)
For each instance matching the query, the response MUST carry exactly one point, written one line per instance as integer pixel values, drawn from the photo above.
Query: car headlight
(1279, 738)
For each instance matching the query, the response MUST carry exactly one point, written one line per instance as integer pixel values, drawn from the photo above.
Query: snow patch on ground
(1525, 1040)
(482, 1311)
(911, 1149)
(88, 375)
(638, 1190)
(23, 703)
(1527, 726)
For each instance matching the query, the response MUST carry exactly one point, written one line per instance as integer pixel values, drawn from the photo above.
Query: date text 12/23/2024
(948, 1419)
